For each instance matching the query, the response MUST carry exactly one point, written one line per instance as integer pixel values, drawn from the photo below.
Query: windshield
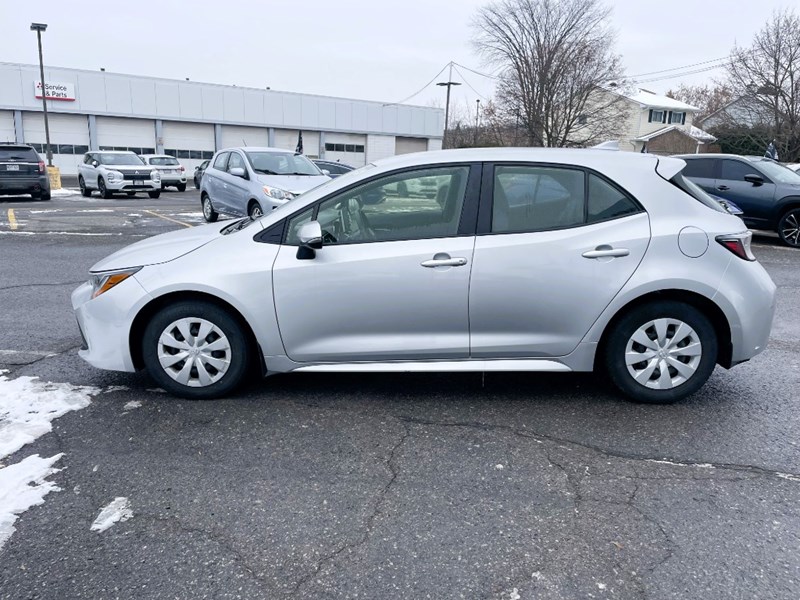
(23, 153)
(696, 192)
(281, 163)
(120, 159)
(778, 172)
(163, 160)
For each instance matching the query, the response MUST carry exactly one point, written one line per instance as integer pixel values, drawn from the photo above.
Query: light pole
(477, 117)
(449, 83)
(39, 28)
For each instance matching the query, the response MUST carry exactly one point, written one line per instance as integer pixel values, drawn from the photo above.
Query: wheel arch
(708, 307)
(149, 310)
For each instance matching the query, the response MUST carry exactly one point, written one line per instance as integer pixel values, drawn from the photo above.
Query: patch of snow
(116, 511)
(21, 486)
(132, 404)
(27, 406)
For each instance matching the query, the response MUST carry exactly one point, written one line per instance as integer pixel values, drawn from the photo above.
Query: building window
(677, 117)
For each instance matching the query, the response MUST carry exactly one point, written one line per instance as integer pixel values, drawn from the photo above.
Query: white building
(96, 110)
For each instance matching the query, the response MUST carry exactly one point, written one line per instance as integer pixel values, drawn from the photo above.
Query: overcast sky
(379, 50)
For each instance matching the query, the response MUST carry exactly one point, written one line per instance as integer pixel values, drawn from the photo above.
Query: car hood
(160, 248)
(297, 184)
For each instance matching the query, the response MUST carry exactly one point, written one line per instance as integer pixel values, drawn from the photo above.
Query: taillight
(41, 166)
(739, 244)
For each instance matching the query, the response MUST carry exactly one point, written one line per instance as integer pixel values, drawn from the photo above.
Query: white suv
(172, 172)
(117, 172)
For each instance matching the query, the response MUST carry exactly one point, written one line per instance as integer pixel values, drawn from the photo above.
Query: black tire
(239, 353)
(181, 187)
(154, 195)
(254, 210)
(85, 192)
(616, 346)
(789, 228)
(209, 214)
(104, 191)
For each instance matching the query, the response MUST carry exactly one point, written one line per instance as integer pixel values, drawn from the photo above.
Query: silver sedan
(522, 259)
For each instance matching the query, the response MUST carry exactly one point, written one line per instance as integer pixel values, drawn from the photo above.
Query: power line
(422, 89)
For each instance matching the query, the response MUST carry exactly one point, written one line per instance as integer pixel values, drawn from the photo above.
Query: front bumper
(105, 323)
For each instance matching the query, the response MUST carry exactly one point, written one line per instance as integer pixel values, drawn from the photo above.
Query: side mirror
(756, 180)
(238, 172)
(310, 237)
(326, 172)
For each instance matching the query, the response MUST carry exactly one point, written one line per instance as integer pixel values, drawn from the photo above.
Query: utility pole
(477, 118)
(449, 83)
(39, 28)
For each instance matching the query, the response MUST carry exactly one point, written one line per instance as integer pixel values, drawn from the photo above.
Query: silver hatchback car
(253, 181)
(525, 260)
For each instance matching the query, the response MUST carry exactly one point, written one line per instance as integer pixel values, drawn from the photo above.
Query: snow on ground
(118, 510)
(21, 486)
(27, 406)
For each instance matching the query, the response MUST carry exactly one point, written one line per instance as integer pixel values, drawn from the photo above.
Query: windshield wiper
(266, 171)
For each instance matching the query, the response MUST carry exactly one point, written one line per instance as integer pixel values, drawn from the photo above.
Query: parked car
(334, 169)
(173, 173)
(253, 181)
(22, 171)
(638, 274)
(198, 173)
(767, 192)
(110, 172)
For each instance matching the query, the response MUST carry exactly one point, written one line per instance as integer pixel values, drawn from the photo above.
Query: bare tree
(554, 56)
(708, 98)
(769, 69)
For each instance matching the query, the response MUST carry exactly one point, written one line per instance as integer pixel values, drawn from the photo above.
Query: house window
(676, 117)
(656, 116)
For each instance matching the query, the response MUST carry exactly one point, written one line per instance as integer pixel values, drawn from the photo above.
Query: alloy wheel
(663, 353)
(194, 352)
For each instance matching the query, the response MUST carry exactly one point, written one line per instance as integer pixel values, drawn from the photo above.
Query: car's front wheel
(661, 352)
(209, 214)
(196, 350)
(101, 186)
(789, 228)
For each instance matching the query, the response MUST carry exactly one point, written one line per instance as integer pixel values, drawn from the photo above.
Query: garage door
(69, 137)
(348, 148)
(404, 145)
(286, 139)
(190, 143)
(137, 135)
(233, 136)
(7, 133)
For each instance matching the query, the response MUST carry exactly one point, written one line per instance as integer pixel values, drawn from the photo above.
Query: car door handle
(606, 251)
(723, 188)
(444, 262)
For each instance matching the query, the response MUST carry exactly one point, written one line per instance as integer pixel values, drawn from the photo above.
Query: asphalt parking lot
(509, 486)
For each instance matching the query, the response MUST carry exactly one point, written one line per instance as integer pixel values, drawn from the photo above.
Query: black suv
(767, 192)
(22, 172)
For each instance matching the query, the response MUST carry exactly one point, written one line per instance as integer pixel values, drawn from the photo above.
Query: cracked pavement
(503, 486)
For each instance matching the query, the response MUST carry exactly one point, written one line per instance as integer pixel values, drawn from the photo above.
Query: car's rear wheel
(196, 350)
(101, 186)
(661, 352)
(254, 210)
(85, 192)
(789, 228)
(154, 195)
(181, 187)
(209, 214)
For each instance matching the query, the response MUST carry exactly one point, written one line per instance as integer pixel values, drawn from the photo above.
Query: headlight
(155, 175)
(102, 282)
(115, 176)
(278, 193)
